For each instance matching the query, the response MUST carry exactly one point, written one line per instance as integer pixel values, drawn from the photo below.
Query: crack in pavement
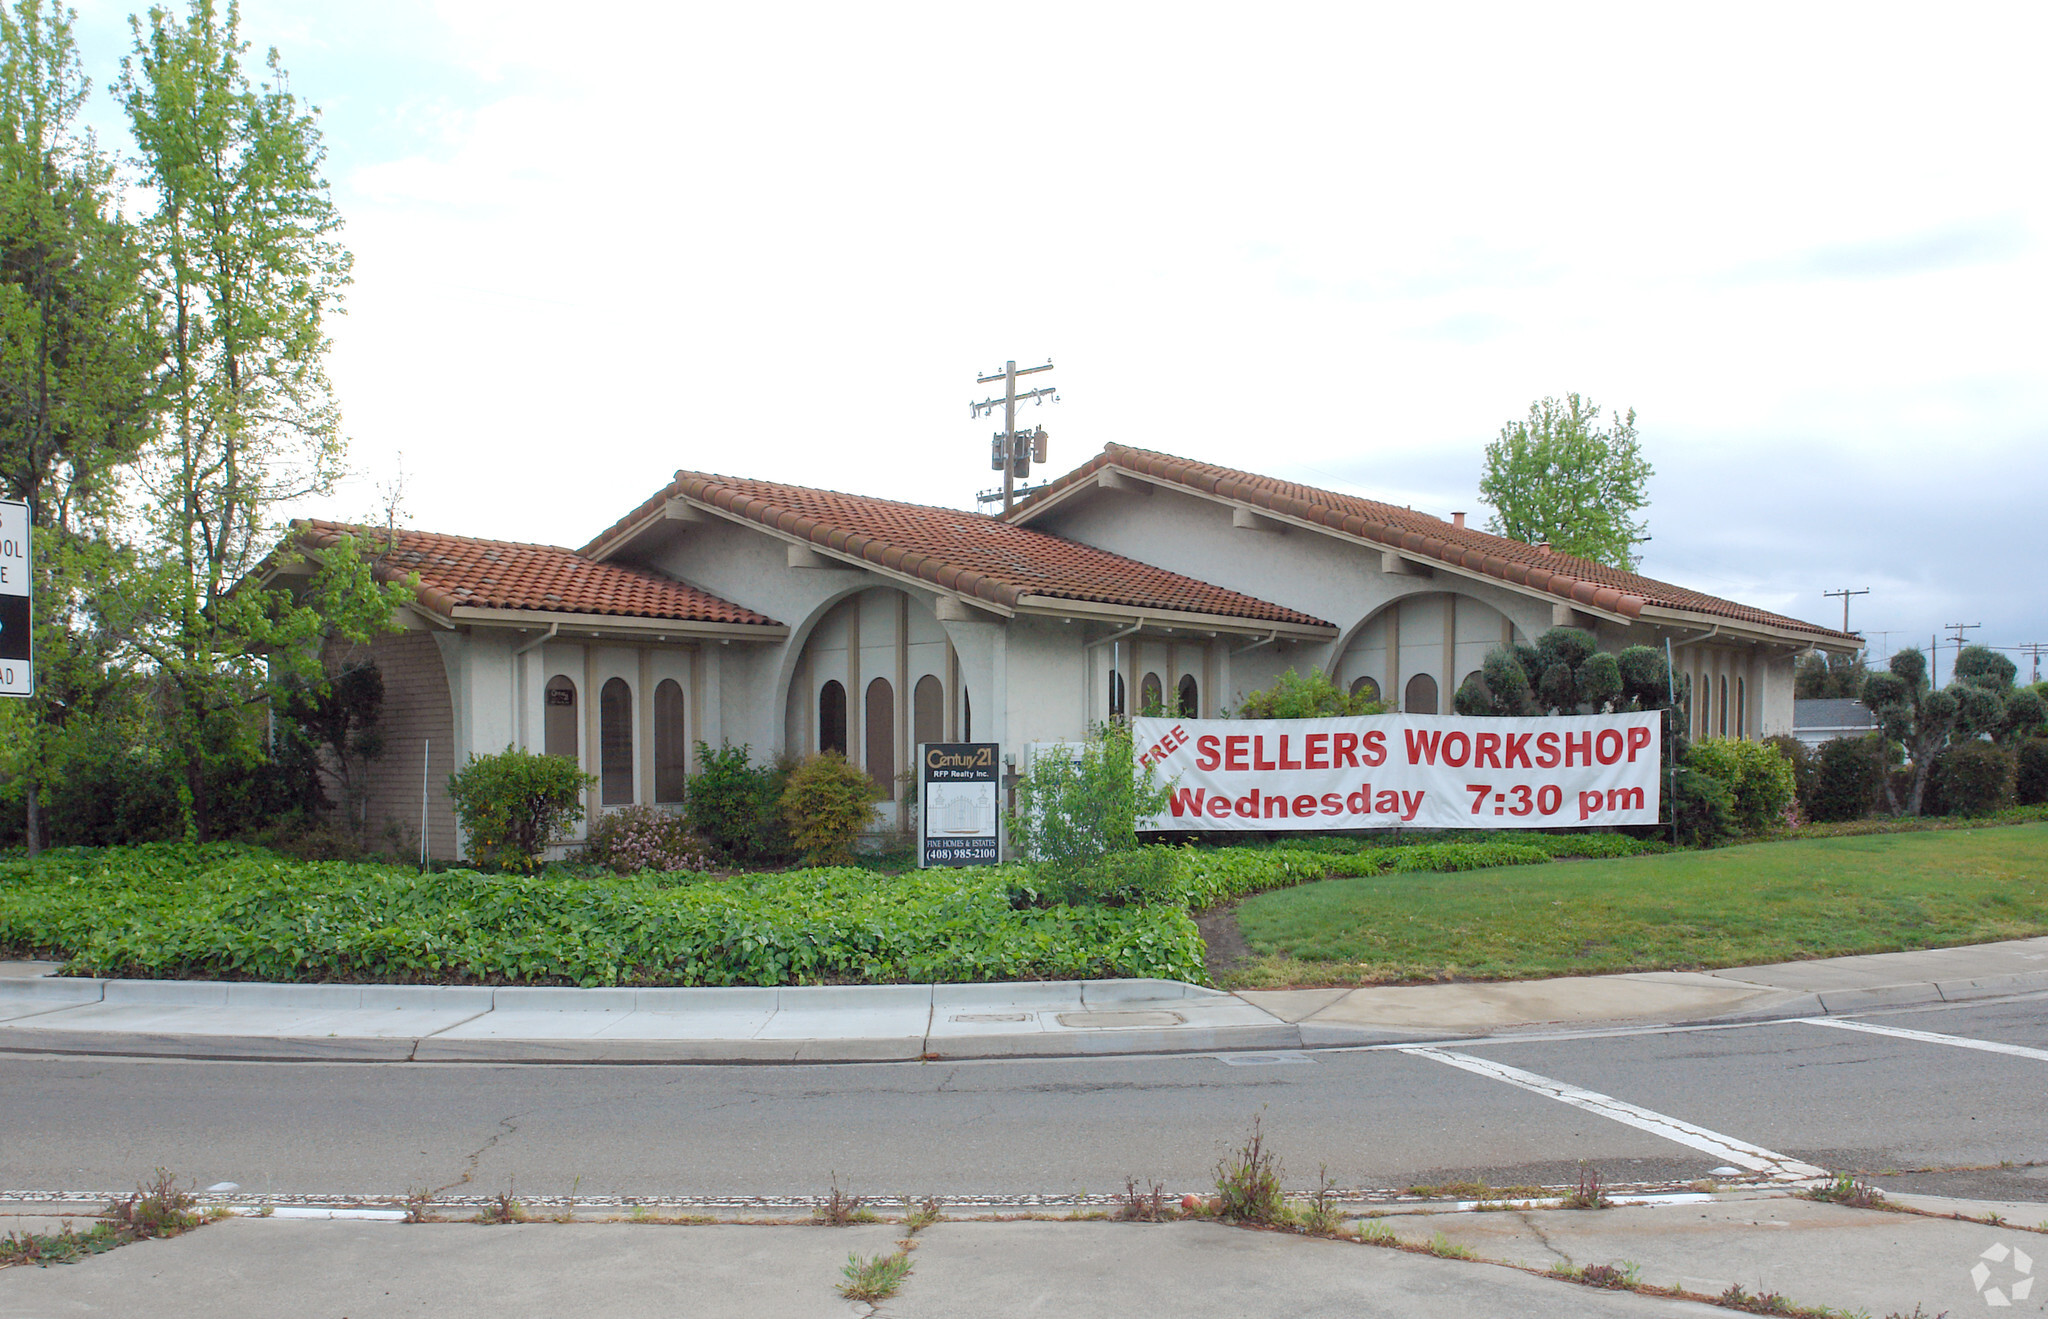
(1541, 1236)
(476, 1156)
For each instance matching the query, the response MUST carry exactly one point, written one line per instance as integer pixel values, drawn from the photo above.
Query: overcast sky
(1342, 244)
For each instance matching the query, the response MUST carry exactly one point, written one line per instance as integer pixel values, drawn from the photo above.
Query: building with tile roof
(730, 610)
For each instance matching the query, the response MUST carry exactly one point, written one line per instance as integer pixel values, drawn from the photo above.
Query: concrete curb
(31, 1011)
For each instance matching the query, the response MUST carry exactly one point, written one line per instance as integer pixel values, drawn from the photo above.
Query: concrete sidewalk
(1810, 1254)
(41, 1012)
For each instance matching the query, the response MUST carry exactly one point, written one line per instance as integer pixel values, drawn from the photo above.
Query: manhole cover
(1113, 1020)
(991, 1016)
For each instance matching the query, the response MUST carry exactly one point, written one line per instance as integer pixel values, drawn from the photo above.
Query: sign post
(956, 794)
(17, 620)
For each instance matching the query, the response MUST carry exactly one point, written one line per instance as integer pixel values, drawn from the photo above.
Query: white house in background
(733, 610)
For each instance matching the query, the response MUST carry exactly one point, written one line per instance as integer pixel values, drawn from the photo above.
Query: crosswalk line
(1927, 1037)
(1742, 1154)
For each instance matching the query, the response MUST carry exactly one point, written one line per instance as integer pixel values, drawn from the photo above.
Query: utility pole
(2033, 648)
(1955, 634)
(1845, 593)
(1009, 452)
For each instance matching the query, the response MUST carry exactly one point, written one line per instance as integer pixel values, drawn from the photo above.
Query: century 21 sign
(17, 655)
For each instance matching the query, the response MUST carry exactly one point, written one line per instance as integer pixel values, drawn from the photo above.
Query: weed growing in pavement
(875, 1278)
(1736, 1298)
(922, 1217)
(1320, 1216)
(1443, 1247)
(843, 1210)
(157, 1209)
(1248, 1182)
(419, 1206)
(1589, 1195)
(1848, 1189)
(501, 1208)
(1617, 1277)
(65, 1246)
(1375, 1233)
(1136, 1206)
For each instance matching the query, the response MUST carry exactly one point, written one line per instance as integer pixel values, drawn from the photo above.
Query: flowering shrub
(645, 838)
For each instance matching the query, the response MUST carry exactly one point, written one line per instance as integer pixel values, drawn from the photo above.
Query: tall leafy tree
(1558, 476)
(78, 353)
(244, 246)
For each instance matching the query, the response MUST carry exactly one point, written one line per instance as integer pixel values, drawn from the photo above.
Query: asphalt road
(1915, 1114)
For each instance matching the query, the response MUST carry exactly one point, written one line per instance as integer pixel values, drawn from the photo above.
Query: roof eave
(1745, 630)
(1060, 606)
(638, 625)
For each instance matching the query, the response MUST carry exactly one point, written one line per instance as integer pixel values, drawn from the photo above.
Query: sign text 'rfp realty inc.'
(1423, 771)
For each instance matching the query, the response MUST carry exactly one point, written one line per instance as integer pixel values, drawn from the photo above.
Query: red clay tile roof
(968, 553)
(1578, 580)
(457, 571)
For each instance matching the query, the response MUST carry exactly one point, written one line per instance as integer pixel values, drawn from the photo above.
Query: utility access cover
(1114, 1020)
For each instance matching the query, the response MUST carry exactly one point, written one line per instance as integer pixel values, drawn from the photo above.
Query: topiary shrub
(513, 804)
(736, 806)
(2030, 774)
(639, 838)
(825, 805)
(1974, 778)
(1848, 778)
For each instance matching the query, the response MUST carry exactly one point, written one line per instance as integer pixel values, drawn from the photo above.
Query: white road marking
(1927, 1036)
(1779, 1167)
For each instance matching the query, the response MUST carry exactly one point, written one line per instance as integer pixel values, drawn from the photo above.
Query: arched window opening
(928, 711)
(878, 724)
(966, 716)
(1741, 709)
(1116, 694)
(559, 727)
(1721, 705)
(1421, 698)
(1190, 697)
(832, 717)
(1151, 695)
(1706, 707)
(615, 743)
(671, 743)
(1369, 688)
(1476, 673)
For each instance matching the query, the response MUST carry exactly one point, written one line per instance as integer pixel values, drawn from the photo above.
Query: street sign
(956, 794)
(17, 635)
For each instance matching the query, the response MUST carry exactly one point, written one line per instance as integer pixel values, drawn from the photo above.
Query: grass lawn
(1734, 906)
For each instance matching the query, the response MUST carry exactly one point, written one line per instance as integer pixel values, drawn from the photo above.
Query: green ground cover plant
(1757, 903)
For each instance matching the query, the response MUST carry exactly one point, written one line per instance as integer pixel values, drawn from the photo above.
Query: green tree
(243, 244)
(1820, 676)
(78, 353)
(1557, 476)
(1916, 717)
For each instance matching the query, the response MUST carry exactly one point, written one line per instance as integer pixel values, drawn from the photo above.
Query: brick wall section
(417, 710)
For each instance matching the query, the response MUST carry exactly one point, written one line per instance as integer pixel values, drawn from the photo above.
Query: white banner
(1423, 771)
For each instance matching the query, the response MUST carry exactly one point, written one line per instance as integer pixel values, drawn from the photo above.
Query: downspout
(1267, 640)
(519, 681)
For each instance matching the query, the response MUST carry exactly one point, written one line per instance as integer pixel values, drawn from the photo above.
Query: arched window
(1741, 709)
(1151, 695)
(559, 727)
(832, 718)
(615, 743)
(1476, 673)
(1421, 698)
(1369, 688)
(928, 710)
(878, 725)
(1116, 693)
(1190, 697)
(1721, 704)
(1706, 707)
(966, 716)
(671, 744)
